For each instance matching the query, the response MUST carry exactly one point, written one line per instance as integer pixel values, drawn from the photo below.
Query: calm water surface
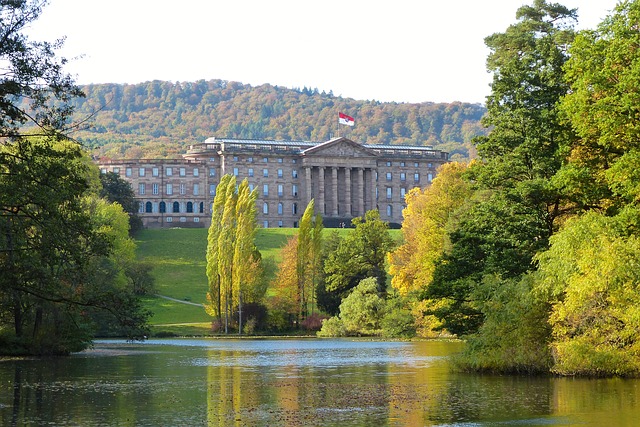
(302, 382)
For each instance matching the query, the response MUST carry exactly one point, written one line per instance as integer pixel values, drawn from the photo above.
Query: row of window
(250, 159)
(169, 189)
(175, 207)
(265, 189)
(155, 171)
(265, 173)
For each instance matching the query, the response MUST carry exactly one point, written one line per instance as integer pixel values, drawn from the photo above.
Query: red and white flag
(345, 120)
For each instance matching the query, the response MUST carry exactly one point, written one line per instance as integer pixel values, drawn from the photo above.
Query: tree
(116, 190)
(62, 251)
(517, 204)
(233, 261)
(31, 71)
(360, 255)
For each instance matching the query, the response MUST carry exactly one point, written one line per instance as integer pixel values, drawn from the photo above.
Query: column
(360, 192)
(347, 191)
(334, 190)
(307, 183)
(374, 185)
(320, 202)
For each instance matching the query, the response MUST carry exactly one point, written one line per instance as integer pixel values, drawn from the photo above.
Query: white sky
(404, 51)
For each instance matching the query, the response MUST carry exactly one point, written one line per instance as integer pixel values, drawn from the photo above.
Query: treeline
(160, 119)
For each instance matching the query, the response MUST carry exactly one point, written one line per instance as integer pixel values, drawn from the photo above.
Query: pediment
(340, 147)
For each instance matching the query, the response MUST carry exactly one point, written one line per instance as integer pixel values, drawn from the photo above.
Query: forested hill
(160, 119)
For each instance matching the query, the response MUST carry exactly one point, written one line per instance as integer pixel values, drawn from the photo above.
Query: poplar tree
(245, 255)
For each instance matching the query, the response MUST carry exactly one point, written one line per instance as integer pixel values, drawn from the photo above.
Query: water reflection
(294, 383)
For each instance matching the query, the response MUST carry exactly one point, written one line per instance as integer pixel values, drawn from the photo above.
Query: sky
(401, 50)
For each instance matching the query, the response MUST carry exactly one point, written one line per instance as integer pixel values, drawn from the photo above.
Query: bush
(332, 327)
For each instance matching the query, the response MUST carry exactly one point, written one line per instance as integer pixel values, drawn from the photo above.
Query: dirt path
(179, 300)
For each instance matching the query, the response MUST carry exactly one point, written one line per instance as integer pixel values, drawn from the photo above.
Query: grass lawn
(179, 269)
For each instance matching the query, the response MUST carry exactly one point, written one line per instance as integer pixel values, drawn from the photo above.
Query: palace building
(343, 177)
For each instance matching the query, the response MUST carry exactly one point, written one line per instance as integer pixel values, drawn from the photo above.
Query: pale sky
(403, 51)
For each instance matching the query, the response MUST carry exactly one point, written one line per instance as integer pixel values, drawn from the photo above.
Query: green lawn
(179, 265)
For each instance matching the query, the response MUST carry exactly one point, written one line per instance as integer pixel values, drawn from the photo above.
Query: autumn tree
(233, 261)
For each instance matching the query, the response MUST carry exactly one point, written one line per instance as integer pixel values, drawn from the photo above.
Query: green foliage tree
(360, 255)
(117, 190)
(517, 204)
(360, 312)
(62, 251)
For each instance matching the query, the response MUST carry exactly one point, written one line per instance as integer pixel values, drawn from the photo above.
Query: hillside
(160, 119)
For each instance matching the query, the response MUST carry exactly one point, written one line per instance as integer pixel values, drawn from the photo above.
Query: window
(196, 172)
(429, 165)
(389, 211)
(116, 170)
(250, 172)
(388, 163)
(265, 190)
(388, 176)
(280, 223)
(280, 190)
(430, 177)
(189, 207)
(212, 171)
(196, 189)
(127, 172)
(103, 171)
(249, 159)
(251, 187)
(235, 171)
(155, 172)
(148, 207)
(196, 219)
(169, 189)
(402, 164)
(201, 207)
(183, 172)
(169, 219)
(416, 164)
(265, 224)
(169, 171)
(141, 172)
(403, 192)
(163, 207)
(389, 192)
(416, 177)
(265, 172)
(280, 160)
(294, 209)
(235, 158)
(212, 189)
(140, 207)
(265, 208)
(280, 208)
(403, 176)
(155, 189)
(183, 189)
(155, 207)
(294, 161)
(265, 160)
(294, 190)
(141, 188)
(176, 207)
(294, 173)
(279, 173)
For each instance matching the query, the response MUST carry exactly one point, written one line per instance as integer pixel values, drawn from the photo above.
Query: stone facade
(345, 178)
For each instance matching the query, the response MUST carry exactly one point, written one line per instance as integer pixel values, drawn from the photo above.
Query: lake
(295, 382)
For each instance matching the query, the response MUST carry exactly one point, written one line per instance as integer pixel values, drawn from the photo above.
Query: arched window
(189, 207)
(265, 208)
(163, 207)
(176, 207)
(294, 209)
(280, 207)
(389, 211)
(201, 207)
(148, 207)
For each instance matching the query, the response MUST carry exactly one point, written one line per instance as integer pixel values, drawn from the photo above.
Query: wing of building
(345, 178)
